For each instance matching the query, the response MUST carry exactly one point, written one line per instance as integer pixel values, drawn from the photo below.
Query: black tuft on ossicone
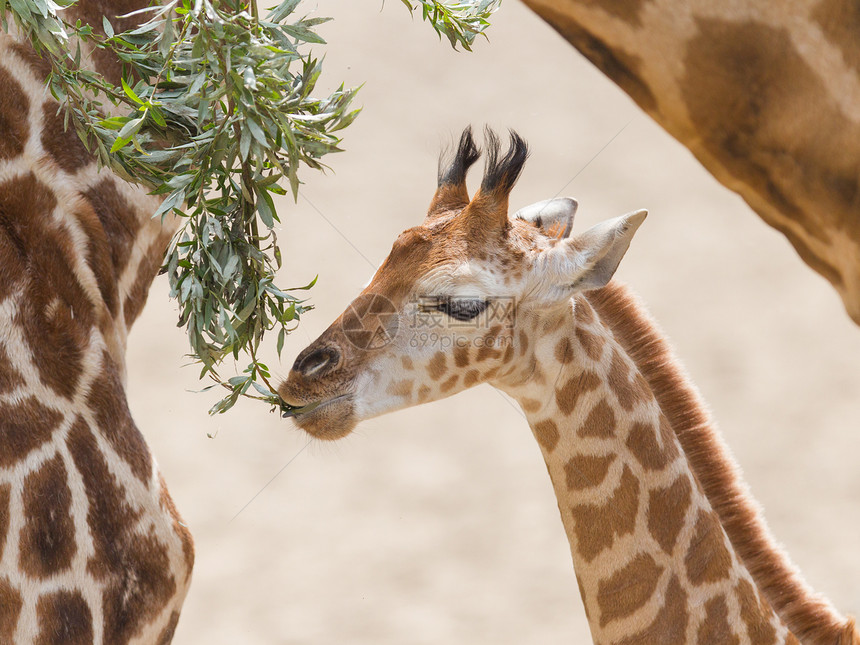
(466, 155)
(502, 173)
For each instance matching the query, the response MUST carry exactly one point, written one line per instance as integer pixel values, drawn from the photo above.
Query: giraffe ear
(553, 216)
(451, 192)
(595, 254)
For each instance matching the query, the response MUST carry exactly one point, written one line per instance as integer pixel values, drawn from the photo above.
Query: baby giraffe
(667, 546)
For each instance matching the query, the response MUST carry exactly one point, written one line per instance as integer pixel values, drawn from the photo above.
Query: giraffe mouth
(326, 419)
(301, 410)
(297, 411)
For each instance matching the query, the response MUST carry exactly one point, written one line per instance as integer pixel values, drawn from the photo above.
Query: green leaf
(119, 144)
(257, 132)
(266, 207)
(131, 128)
(302, 33)
(262, 389)
(282, 10)
(282, 334)
(130, 92)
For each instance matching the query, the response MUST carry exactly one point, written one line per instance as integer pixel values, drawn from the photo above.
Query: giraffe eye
(462, 308)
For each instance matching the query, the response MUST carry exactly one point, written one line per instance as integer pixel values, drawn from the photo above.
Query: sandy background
(438, 524)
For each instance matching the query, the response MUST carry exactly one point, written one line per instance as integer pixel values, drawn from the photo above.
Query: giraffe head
(456, 300)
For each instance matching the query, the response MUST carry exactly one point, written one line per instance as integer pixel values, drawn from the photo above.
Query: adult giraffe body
(666, 544)
(765, 94)
(92, 549)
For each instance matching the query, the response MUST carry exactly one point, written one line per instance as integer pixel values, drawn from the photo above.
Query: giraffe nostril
(317, 362)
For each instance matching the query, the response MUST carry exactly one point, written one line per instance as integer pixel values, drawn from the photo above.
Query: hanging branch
(460, 22)
(215, 112)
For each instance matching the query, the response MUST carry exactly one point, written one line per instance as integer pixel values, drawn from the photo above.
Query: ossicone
(502, 171)
(451, 192)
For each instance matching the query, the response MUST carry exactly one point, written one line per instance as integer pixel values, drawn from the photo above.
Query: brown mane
(809, 616)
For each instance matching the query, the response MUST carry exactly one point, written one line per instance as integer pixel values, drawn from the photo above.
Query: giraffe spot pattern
(564, 351)
(133, 567)
(546, 432)
(5, 494)
(437, 367)
(117, 218)
(568, 395)
(166, 636)
(756, 614)
(597, 525)
(407, 363)
(591, 343)
(628, 589)
(107, 398)
(38, 65)
(586, 471)
(402, 389)
(707, 559)
(26, 426)
(56, 317)
(64, 146)
(840, 21)
(488, 347)
(461, 356)
(47, 540)
(642, 442)
(146, 272)
(628, 392)
(715, 629)
(599, 423)
(10, 609)
(531, 405)
(104, 61)
(179, 528)
(490, 373)
(423, 393)
(670, 624)
(627, 10)
(10, 378)
(98, 257)
(721, 63)
(64, 619)
(583, 312)
(14, 115)
(55, 313)
(448, 385)
(524, 342)
(667, 508)
(471, 378)
(13, 269)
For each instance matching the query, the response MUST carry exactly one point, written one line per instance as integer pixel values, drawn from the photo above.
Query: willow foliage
(215, 111)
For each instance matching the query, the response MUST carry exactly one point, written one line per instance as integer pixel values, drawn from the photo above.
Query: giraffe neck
(91, 547)
(99, 226)
(809, 615)
(764, 94)
(652, 558)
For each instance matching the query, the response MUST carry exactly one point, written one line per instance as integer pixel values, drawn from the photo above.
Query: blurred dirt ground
(438, 524)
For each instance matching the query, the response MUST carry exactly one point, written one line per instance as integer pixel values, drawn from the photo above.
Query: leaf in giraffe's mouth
(310, 407)
(301, 409)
